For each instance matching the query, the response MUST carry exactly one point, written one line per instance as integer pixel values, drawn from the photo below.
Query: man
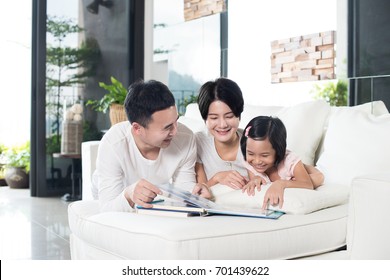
(152, 148)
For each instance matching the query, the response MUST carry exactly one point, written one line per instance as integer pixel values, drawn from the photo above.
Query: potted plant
(336, 94)
(113, 100)
(17, 166)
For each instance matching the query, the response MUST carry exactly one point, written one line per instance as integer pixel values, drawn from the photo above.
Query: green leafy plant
(3, 148)
(185, 101)
(116, 95)
(336, 94)
(2, 154)
(66, 66)
(2, 172)
(18, 156)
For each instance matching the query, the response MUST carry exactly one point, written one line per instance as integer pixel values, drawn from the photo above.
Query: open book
(183, 203)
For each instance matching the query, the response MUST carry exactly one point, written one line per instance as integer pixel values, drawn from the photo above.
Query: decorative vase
(117, 113)
(17, 177)
(72, 129)
(72, 137)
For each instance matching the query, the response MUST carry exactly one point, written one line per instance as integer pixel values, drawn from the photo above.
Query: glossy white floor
(32, 228)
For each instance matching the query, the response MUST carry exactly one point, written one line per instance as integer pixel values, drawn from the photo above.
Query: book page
(185, 196)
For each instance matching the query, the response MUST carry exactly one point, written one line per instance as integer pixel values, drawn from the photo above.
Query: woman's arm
(230, 178)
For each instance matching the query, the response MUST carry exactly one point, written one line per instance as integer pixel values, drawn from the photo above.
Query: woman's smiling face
(221, 121)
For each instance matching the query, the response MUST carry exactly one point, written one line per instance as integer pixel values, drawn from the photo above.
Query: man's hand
(202, 190)
(143, 193)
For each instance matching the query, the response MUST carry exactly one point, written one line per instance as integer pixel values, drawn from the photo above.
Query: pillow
(356, 144)
(305, 126)
(251, 111)
(375, 108)
(194, 124)
(192, 111)
(296, 201)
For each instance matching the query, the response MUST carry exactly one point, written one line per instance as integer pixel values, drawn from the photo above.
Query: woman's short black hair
(224, 90)
(263, 127)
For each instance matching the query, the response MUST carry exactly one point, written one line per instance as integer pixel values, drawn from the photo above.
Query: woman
(219, 158)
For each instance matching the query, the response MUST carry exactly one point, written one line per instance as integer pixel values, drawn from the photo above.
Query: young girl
(267, 160)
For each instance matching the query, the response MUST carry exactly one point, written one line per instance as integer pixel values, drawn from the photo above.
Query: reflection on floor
(32, 228)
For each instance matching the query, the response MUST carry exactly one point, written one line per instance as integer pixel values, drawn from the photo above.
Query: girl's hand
(231, 179)
(253, 184)
(274, 195)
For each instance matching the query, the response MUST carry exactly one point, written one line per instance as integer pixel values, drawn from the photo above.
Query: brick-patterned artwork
(194, 9)
(304, 58)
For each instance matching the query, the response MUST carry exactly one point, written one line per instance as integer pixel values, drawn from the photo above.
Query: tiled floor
(32, 228)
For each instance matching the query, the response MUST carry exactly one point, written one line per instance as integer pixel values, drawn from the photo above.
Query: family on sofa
(153, 148)
(349, 145)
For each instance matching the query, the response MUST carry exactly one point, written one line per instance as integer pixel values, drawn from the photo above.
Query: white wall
(15, 80)
(253, 25)
(15, 57)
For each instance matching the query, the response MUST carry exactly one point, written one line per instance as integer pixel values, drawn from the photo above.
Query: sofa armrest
(368, 218)
(88, 160)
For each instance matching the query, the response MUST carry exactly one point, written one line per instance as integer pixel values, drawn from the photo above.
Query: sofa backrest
(375, 108)
(356, 143)
(88, 157)
(306, 123)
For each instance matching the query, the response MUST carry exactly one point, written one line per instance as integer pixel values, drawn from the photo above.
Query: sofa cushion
(296, 201)
(120, 235)
(354, 145)
(251, 111)
(368, 231)
(305, 125)
(375, 108)
(192, 112)
(194, 124)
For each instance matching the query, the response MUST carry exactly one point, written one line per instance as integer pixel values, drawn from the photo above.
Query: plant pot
(3, 183)
(117, 113)
(16, 177)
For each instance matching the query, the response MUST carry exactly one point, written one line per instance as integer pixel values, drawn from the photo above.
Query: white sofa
(348, 144)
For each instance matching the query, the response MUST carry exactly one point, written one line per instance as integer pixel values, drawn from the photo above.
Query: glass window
(191, 50)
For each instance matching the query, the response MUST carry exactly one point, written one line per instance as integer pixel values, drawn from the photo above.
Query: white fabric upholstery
(296, 201)
(251, 111)
(123, 235)
(368, 221)
(376, 108)
(355, 144)
(89, 154)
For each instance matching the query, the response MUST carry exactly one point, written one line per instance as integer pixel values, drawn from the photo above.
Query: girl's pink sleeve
(290, 161)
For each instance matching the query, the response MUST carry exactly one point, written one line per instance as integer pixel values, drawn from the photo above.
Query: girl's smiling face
(221, 121)
(260, 154)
